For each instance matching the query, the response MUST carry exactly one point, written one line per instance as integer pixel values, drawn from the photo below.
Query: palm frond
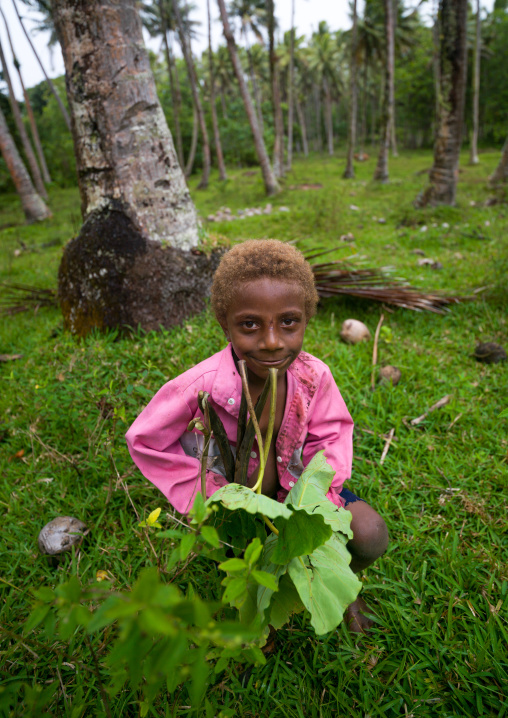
(16, 298)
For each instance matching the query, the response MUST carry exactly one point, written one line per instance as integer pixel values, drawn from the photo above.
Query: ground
(440, 592)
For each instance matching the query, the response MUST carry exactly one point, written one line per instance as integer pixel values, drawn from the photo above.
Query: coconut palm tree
(381, 171)
(33, 205)
(452, 85)
(349, 172)
(45, 8)
(25, 141)
(271, 185)
(324, 62)
(500, 174)
(213, 109)
(473, 157)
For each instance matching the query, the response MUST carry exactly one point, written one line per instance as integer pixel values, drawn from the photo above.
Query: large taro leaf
(235, 496)
(309, 494)
(301, 534)
(264, 594)
(325, 583)
(284, 603)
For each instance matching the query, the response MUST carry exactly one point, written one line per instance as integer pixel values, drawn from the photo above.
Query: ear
(224, 328)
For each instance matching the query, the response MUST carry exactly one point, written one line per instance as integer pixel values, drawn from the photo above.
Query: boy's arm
(330, 429)
(154, 445)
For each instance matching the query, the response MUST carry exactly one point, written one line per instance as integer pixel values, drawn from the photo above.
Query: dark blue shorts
(349, 498)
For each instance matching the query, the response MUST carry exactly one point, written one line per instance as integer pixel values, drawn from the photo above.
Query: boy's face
(266, 324)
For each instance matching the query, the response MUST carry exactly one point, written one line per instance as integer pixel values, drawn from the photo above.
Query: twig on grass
(374, 351)
(31, 433)
(387, 446)
(438, 405)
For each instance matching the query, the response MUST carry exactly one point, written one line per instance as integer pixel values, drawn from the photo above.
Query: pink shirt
(315, 418)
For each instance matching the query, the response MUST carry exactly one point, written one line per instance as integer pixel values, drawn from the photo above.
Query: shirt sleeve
(330, 429)
(154, 445)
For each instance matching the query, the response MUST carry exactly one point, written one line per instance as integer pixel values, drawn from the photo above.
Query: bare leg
(370, 541)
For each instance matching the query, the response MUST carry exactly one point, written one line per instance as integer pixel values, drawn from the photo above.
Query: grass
(439, 593)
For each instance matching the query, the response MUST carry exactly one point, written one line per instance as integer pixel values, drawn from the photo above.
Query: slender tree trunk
(51, 86)
(216, 134)
(33, 205)
(381, 171)
(363, 128)
(131, 263)
(473, 158)
(437, 67)
(191, 71)
(172, 84)
(278, 145)
(453, 68)
(303, 127)
(270, 182)
(393, 128)
(223, 101)
(500, 174)
(328, 115)
(33, 126)
(291, 82)
(25, 141)
(194, 144)
(349, 172)
(319, 126)
(255, 86)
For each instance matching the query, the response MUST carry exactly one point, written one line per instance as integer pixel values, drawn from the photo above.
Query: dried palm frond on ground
(337, 278)
(16, 298)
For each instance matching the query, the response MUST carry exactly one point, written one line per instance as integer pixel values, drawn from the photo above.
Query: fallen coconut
(390, 373)
(61, 535)
(489, 353)
(353, 331)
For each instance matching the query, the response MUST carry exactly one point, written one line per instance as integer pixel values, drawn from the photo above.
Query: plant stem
(271, 422)
(250, 406)
(206, 445)
(271, 526)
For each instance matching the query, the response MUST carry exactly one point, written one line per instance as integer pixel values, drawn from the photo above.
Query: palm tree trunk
(303, 127)
(33, 125)
(473, 159)
(291, 81)
(278, 121)
(271, 186)
(27, 146)
(191, 71)
(318, 144)
(453, 69)
(363, 127)
(33, 205)
(175, 92)
(328, 115)
(437, 67)
(381, 171)
(51, 86)
(500, 174)
(194, 144)
(255, 86)
(349, 172)
(393, 129)
(216, 133)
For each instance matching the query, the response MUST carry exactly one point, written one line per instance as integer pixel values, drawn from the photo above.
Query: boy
(263, 296)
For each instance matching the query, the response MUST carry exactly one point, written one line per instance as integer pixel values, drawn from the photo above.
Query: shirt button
(231, 401)
(279, 459)
(253, 454)
(291, 483)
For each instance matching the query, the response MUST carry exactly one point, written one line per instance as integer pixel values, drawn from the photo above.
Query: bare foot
(269, 646)
(355, 618)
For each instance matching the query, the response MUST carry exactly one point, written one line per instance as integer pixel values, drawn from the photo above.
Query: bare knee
(370, 536)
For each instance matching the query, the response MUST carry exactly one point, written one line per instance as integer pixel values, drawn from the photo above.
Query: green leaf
(235, 588)
(170, 533)
(37, 615)
(44, 594)
(284, 603)
(325, 583)
(233, 564)
(503, 414)
(198, 511)
(309, 494)
(186, 545)
(211, 536)
(264, 593)
(234, 497)
(253, 551)
(300, 535)
(264, 579)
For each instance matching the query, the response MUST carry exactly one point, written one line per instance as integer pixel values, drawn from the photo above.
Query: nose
(271, 340)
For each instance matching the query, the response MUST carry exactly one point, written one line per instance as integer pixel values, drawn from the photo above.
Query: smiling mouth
(271, 362)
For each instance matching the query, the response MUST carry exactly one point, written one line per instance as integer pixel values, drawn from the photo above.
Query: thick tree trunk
(216, 133)
(194, 144)
(303, 126)
(349, 172)
(120, 270)
(473, 157)
(381, 171)
(51, 86)
(500, 174)
(25, 141)
(328, 115)
(175, 92)
(270, 182)
(453, 68)
(291, 82)
(33, 125)
(278, 121)
(33, 205)
(193, 79)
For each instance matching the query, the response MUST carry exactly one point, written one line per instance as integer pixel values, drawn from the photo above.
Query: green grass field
(440, 594)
